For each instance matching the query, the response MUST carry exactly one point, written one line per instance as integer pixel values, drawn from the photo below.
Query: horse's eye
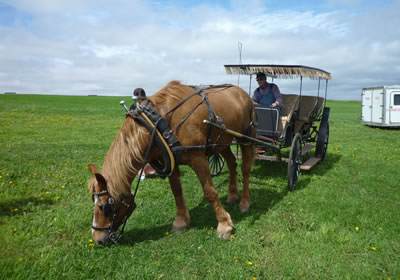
(107, 209)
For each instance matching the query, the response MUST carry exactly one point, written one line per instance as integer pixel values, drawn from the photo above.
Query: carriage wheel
(216, 163)
(323, 136)
(295, 161)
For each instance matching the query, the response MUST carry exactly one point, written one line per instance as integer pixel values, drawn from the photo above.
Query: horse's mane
(118, 165)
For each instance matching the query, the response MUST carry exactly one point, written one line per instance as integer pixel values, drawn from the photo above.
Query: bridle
(109, 210)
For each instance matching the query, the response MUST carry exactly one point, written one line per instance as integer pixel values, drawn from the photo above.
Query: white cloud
(104, 47)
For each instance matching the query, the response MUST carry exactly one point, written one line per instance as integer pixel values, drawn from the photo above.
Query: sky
(102, 47)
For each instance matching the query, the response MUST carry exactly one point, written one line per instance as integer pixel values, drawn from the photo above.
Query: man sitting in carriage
(267, 94)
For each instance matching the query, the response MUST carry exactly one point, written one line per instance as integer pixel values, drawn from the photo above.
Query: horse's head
(109, 212)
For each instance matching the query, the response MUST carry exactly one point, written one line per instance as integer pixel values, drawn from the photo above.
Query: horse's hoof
(179, 225)
(224, 230)
(178, 229)
(231, 199)
(244, 207)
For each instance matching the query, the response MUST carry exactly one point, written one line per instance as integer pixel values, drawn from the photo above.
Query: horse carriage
(301, 123)
(182, 125)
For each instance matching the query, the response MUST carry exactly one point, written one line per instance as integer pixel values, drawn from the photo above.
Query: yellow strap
(171, 156)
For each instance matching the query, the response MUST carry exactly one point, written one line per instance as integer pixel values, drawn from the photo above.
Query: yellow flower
(58, 197)
(91, 245)
(90, 241)
(41, 198)
(20, 259)
(249, 263)
(46, 192)
(166, 233)
(14, 230)
(373, 248)
(232, 236)
(357, 228)
(235, 257)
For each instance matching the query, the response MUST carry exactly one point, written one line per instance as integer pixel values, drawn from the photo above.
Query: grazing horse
(111, 188)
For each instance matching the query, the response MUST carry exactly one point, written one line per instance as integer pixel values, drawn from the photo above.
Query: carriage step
(310, 163)
(306, 149)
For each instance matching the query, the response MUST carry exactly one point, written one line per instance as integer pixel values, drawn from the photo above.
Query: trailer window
(396, 99)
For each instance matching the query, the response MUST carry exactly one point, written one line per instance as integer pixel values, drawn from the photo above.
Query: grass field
(343, 221)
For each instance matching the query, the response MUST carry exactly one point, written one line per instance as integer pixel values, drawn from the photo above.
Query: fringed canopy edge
(278, 71)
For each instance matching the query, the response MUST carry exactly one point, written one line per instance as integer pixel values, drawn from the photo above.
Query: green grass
(46, 211)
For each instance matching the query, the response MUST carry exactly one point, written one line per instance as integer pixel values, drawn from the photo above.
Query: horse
(111, 188)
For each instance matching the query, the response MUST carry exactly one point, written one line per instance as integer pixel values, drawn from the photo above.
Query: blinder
(110, 211)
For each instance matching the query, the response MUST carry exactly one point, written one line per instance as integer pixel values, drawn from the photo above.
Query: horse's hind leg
(231, 163)
(182, 219)
(200, 167)
(248, 154)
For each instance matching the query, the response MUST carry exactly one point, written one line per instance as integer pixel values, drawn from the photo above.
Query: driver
(267, 94)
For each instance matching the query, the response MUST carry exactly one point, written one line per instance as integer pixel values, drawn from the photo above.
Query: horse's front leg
(182, 219)
(200, 167)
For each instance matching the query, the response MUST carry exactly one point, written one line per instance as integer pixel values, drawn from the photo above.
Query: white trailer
(380, 106)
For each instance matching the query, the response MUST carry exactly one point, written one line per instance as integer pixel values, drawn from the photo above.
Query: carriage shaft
(241, 136)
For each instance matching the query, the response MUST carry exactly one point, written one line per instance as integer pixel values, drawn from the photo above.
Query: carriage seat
(309, 109)
(290, 105)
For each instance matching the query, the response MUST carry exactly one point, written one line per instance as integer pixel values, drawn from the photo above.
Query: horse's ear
(100, 179)
(93, 169)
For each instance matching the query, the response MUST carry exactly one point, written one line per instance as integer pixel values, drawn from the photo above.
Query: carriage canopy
(278, 71)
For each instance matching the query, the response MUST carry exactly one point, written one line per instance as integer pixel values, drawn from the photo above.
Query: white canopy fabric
(278, 71)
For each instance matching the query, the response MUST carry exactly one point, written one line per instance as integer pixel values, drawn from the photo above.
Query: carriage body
(301, 123)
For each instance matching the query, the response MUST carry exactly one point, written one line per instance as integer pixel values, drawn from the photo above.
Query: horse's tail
(253, 122)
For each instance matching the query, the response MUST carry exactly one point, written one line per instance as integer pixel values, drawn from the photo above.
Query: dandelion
(14, 230)
(62, 187)
(58, 197)
(249, 263)
(233, 236)
(20, 259)
(373, 248)
(235, 257)
(46, 192)
(357, 228)
(1, 177)
(166, 233)
(41, 198)
(91, 245)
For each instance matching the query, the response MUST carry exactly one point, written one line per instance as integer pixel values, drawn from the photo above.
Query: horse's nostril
(100, 242)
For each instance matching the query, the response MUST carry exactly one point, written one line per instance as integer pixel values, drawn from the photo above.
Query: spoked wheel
(216, 163)
(323, 136)
(295, 161)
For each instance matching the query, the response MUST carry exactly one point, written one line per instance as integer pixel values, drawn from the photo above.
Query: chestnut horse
(111, 189)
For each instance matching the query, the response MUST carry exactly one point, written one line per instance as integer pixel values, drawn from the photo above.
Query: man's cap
(260, 76)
